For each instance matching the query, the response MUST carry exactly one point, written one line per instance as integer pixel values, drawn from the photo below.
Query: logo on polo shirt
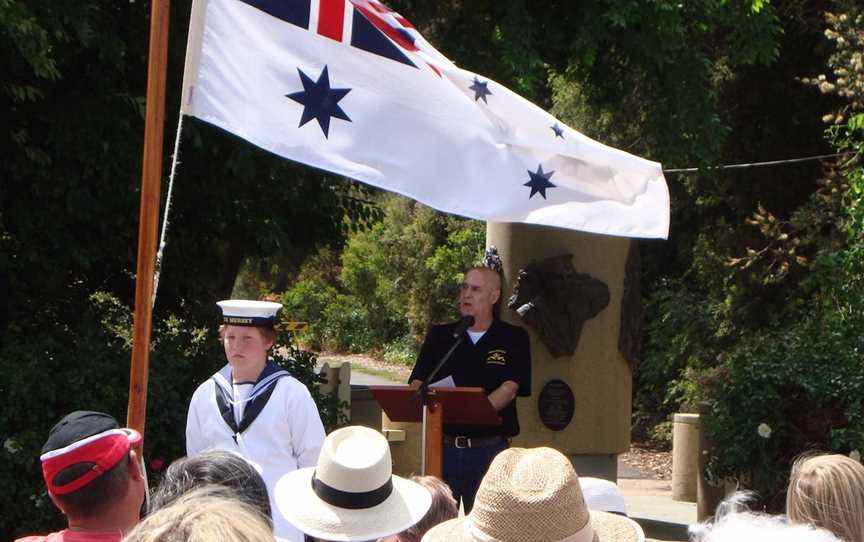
(496, 357)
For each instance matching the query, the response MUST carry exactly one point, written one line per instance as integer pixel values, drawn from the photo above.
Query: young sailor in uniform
(253, 407)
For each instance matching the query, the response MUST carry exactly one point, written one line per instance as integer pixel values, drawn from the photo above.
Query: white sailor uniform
(280, 429)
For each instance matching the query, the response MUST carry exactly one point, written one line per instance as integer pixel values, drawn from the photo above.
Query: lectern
(443, 405)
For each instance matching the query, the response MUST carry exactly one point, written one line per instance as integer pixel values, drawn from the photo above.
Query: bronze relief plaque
(556, 405)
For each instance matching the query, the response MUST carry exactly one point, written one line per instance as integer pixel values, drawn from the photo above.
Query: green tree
(407, 268)
(394, 280)
(71, 125)
(72, 138)
(796, 367)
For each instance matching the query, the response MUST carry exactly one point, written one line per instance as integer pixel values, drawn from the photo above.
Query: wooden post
(434, 436)
(151, 174)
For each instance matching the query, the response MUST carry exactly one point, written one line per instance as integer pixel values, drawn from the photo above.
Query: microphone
(464, 324)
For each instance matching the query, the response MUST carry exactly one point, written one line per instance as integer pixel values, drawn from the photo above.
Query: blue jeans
(464, 469)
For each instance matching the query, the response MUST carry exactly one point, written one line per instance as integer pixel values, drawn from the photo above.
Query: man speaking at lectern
(492, 355)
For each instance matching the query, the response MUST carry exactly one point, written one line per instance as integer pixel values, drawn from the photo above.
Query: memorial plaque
(556, 405)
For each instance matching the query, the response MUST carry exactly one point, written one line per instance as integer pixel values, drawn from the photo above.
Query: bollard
(708, 496)
(330, 374)
(343, 389)
(685, 456)
(338, 383)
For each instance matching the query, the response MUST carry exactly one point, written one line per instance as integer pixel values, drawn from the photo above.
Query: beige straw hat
(352, 493)
(533, 495)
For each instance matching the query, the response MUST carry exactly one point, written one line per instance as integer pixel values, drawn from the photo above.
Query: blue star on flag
(319, 101)
(559, 132)
(481, 90)
(539, 181)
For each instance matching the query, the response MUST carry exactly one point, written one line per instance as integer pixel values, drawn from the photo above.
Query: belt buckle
(466, 440)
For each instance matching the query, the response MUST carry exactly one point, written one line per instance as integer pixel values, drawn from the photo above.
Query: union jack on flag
(366, 24)
(393, 112)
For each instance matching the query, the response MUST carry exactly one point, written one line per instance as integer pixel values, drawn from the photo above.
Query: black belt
(473, 442)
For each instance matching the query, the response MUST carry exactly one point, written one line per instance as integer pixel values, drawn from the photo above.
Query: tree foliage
(73, 102)
(71, 128)
(775, 338)
(390, 283)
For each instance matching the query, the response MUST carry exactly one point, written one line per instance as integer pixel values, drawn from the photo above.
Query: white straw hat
(602, 495)
(352, 493)
(533, 495)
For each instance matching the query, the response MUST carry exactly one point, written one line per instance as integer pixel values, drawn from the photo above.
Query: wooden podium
(444, 405)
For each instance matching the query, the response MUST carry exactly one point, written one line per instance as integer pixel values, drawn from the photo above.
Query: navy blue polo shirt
(502, 353)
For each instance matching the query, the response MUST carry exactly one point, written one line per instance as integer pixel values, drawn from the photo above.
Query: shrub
(306, 301)
(345, 323)
(805, 384)
(51, 369)
(402, 351)
(772, 338)
(396, 278)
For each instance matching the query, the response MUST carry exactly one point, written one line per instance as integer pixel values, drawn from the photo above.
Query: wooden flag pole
(151, 175)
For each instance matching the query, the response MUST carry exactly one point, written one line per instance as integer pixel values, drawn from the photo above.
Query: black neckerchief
(257, 400)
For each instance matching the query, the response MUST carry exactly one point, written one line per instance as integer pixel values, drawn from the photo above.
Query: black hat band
(252, 321)
(350, 499)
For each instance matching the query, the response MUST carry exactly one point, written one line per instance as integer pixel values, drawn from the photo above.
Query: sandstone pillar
(597, 373)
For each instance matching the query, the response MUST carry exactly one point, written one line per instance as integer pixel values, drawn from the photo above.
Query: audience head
(213, 467)
(828, 491)
(92, 472)
(443, 508)
(352, 493)
(752, 527)
(533, 495)
(205, 514)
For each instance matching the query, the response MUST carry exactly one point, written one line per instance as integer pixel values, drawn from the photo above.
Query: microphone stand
(423, 393)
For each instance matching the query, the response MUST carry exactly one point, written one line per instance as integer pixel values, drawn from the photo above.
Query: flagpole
(148, 221)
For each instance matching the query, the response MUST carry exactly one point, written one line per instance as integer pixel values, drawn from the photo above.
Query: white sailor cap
(245, 312)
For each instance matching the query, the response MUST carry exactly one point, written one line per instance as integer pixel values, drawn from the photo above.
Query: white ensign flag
(351, 87)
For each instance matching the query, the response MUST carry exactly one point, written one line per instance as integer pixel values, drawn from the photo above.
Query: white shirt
(241, 397)
(286, 435)
(476, 335)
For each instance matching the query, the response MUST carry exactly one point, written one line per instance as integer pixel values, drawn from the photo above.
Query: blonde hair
(443, 508)
(208, 514)
(828, 491)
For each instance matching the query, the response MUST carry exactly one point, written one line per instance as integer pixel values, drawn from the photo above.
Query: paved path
(361, 378)
(650, 503)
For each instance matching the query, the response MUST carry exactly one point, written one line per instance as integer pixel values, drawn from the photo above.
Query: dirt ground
(656, 464)
(652, 463)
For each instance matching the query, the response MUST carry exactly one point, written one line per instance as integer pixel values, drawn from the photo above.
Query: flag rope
(759, 164)
(162, 238)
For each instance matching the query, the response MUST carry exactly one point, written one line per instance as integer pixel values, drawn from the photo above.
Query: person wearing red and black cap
(93, 477)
